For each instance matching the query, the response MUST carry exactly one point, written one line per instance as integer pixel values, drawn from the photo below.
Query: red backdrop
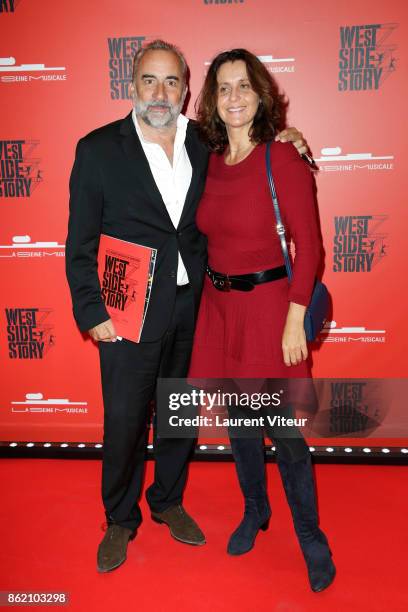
(64, 70)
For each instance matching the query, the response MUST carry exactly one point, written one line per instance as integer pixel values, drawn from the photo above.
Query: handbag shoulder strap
(280, 228)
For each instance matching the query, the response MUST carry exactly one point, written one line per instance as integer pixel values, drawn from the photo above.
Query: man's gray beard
(142, 111)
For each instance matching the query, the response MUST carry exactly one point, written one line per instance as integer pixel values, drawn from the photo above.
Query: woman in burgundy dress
(257, 333)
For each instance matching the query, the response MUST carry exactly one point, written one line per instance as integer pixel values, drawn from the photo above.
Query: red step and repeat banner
(65, 68)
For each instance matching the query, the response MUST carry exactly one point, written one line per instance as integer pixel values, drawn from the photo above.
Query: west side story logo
(350, 408)
(8, 6)
(20, 171)
(359, 242)
(114, 286)
(30, 332)
(121, 53)
(366, 57)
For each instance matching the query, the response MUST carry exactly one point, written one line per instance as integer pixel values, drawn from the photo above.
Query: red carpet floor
(51, 521)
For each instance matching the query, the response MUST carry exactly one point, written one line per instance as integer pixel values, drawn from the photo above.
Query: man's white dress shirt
(173, 181)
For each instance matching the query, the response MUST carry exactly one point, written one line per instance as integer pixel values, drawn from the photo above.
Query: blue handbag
(316, 312)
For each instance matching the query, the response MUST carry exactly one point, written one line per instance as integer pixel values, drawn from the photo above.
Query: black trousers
(129, 372)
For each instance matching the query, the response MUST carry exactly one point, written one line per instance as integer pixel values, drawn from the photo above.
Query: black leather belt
(245, 282)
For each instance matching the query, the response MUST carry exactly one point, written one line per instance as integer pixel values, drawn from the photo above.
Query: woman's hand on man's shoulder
(295, 137)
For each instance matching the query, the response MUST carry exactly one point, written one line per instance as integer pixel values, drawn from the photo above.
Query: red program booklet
(125, 273)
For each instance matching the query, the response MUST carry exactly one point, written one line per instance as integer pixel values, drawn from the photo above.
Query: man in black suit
(140, 179)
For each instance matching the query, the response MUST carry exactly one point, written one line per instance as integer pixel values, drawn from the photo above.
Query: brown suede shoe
(112, 549)
(182, 527)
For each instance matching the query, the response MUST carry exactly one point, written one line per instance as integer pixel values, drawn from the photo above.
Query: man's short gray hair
(159, 45)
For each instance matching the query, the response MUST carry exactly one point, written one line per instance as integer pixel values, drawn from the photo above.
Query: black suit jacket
(112, 191)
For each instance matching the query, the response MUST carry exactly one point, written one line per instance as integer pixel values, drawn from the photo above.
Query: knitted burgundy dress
(239, 334)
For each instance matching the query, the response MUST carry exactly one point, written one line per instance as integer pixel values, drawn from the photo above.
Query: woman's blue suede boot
(298, 481)
(250, 465)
